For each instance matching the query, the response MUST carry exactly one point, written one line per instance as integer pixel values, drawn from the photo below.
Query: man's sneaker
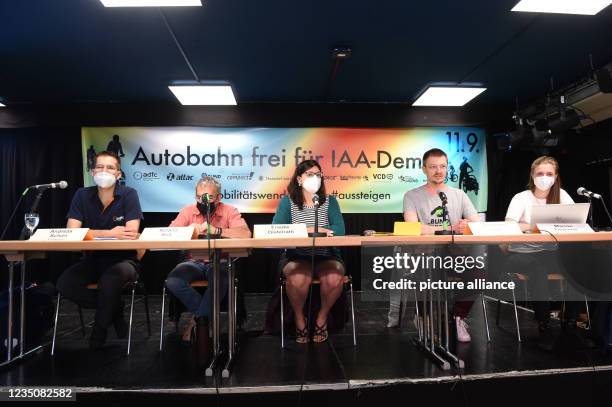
(462, 333)
(393, 316)
(393, 321)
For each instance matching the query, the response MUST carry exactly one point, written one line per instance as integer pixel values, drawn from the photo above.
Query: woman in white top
(537, 260)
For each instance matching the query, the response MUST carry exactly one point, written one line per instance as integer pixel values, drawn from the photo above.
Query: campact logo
(145, 176)
(179, 177)
(241, 177)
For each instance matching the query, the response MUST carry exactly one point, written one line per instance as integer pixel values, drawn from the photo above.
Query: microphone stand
(25, 232)
(316, 232)
(445, 222)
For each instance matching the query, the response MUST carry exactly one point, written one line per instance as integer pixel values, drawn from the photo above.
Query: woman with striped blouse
(295, 264)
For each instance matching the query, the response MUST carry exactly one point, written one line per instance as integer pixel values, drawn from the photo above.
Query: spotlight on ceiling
(1, 105)
(584, 7)
(207, 93)
(448, 94)
(151, 3)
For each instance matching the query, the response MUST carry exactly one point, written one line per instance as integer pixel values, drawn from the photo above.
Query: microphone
(60, 185)
(443, 198)
(589, 194)
(315, 199)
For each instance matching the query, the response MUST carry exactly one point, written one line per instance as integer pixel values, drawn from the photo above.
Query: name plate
(280, 231)
(560, 228)
(493, 229)
(60, 235)
(172, 234)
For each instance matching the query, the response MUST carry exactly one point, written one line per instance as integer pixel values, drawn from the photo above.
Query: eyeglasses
(436, 167)
(101, 167)
(314, 174)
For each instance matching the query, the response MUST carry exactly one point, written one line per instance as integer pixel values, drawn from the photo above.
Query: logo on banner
(180, 177)
(241, 177)
(408, 179)
(382, 177)
(145, 176)
(216, 176)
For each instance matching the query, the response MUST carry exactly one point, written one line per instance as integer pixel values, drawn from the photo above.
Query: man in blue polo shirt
(111, 211)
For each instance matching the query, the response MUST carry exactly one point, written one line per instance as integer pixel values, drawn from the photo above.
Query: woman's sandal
(301, 335)
(320, 333)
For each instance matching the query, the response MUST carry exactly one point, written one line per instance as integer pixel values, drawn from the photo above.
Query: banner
(368, 170)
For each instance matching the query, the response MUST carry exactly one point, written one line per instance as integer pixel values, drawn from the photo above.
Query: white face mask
(312, 184)
(544, 182)
(104, 179)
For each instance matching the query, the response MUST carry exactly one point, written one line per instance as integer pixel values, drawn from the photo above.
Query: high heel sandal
(320, 333)
(301, 335)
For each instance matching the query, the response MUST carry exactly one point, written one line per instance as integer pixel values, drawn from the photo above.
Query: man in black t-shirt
(110, 211)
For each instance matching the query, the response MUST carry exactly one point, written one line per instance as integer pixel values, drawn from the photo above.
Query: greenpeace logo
(180, 177)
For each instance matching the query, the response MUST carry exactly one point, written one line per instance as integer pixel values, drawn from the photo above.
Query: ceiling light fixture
(205, 93)
(151, 3)
(448, 95)
(584, 7)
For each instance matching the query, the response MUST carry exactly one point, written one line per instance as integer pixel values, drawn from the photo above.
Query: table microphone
(589, 194)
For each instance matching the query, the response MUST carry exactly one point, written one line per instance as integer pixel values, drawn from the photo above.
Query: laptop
(559, 213)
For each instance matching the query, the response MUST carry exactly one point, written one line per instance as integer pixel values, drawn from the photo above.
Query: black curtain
(30, 156)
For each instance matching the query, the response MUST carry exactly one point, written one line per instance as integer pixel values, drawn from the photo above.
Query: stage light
(444, 95)
(585, 7)
(151, 3)
(219, 94)
(1, 105)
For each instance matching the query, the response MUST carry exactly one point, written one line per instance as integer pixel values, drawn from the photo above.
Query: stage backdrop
(368, 170)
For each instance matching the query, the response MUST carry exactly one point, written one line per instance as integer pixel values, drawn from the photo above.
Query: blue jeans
(179, 280)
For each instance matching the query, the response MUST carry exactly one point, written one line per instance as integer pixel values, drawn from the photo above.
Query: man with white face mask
(110, 211)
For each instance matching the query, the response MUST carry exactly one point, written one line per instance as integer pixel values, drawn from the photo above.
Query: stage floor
(382, 357)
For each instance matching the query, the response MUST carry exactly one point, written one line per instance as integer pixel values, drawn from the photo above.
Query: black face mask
(202, 207)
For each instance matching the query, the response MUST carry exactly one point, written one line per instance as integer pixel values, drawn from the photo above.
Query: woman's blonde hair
(554, 195)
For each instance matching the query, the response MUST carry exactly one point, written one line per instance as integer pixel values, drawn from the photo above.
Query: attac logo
(180, 177)
(145, 176)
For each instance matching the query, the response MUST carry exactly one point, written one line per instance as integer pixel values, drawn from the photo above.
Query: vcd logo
(180, 177)
(145, 176)
(388, 177)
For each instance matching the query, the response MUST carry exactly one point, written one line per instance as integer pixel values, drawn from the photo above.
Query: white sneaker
(462, 333)
(393, 321)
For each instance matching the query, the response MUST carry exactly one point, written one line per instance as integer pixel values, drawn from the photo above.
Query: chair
(130, 285)
(525, 278)
(195, 284)
(347, 281)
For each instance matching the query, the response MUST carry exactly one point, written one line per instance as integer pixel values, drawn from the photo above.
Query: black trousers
(110, 274)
